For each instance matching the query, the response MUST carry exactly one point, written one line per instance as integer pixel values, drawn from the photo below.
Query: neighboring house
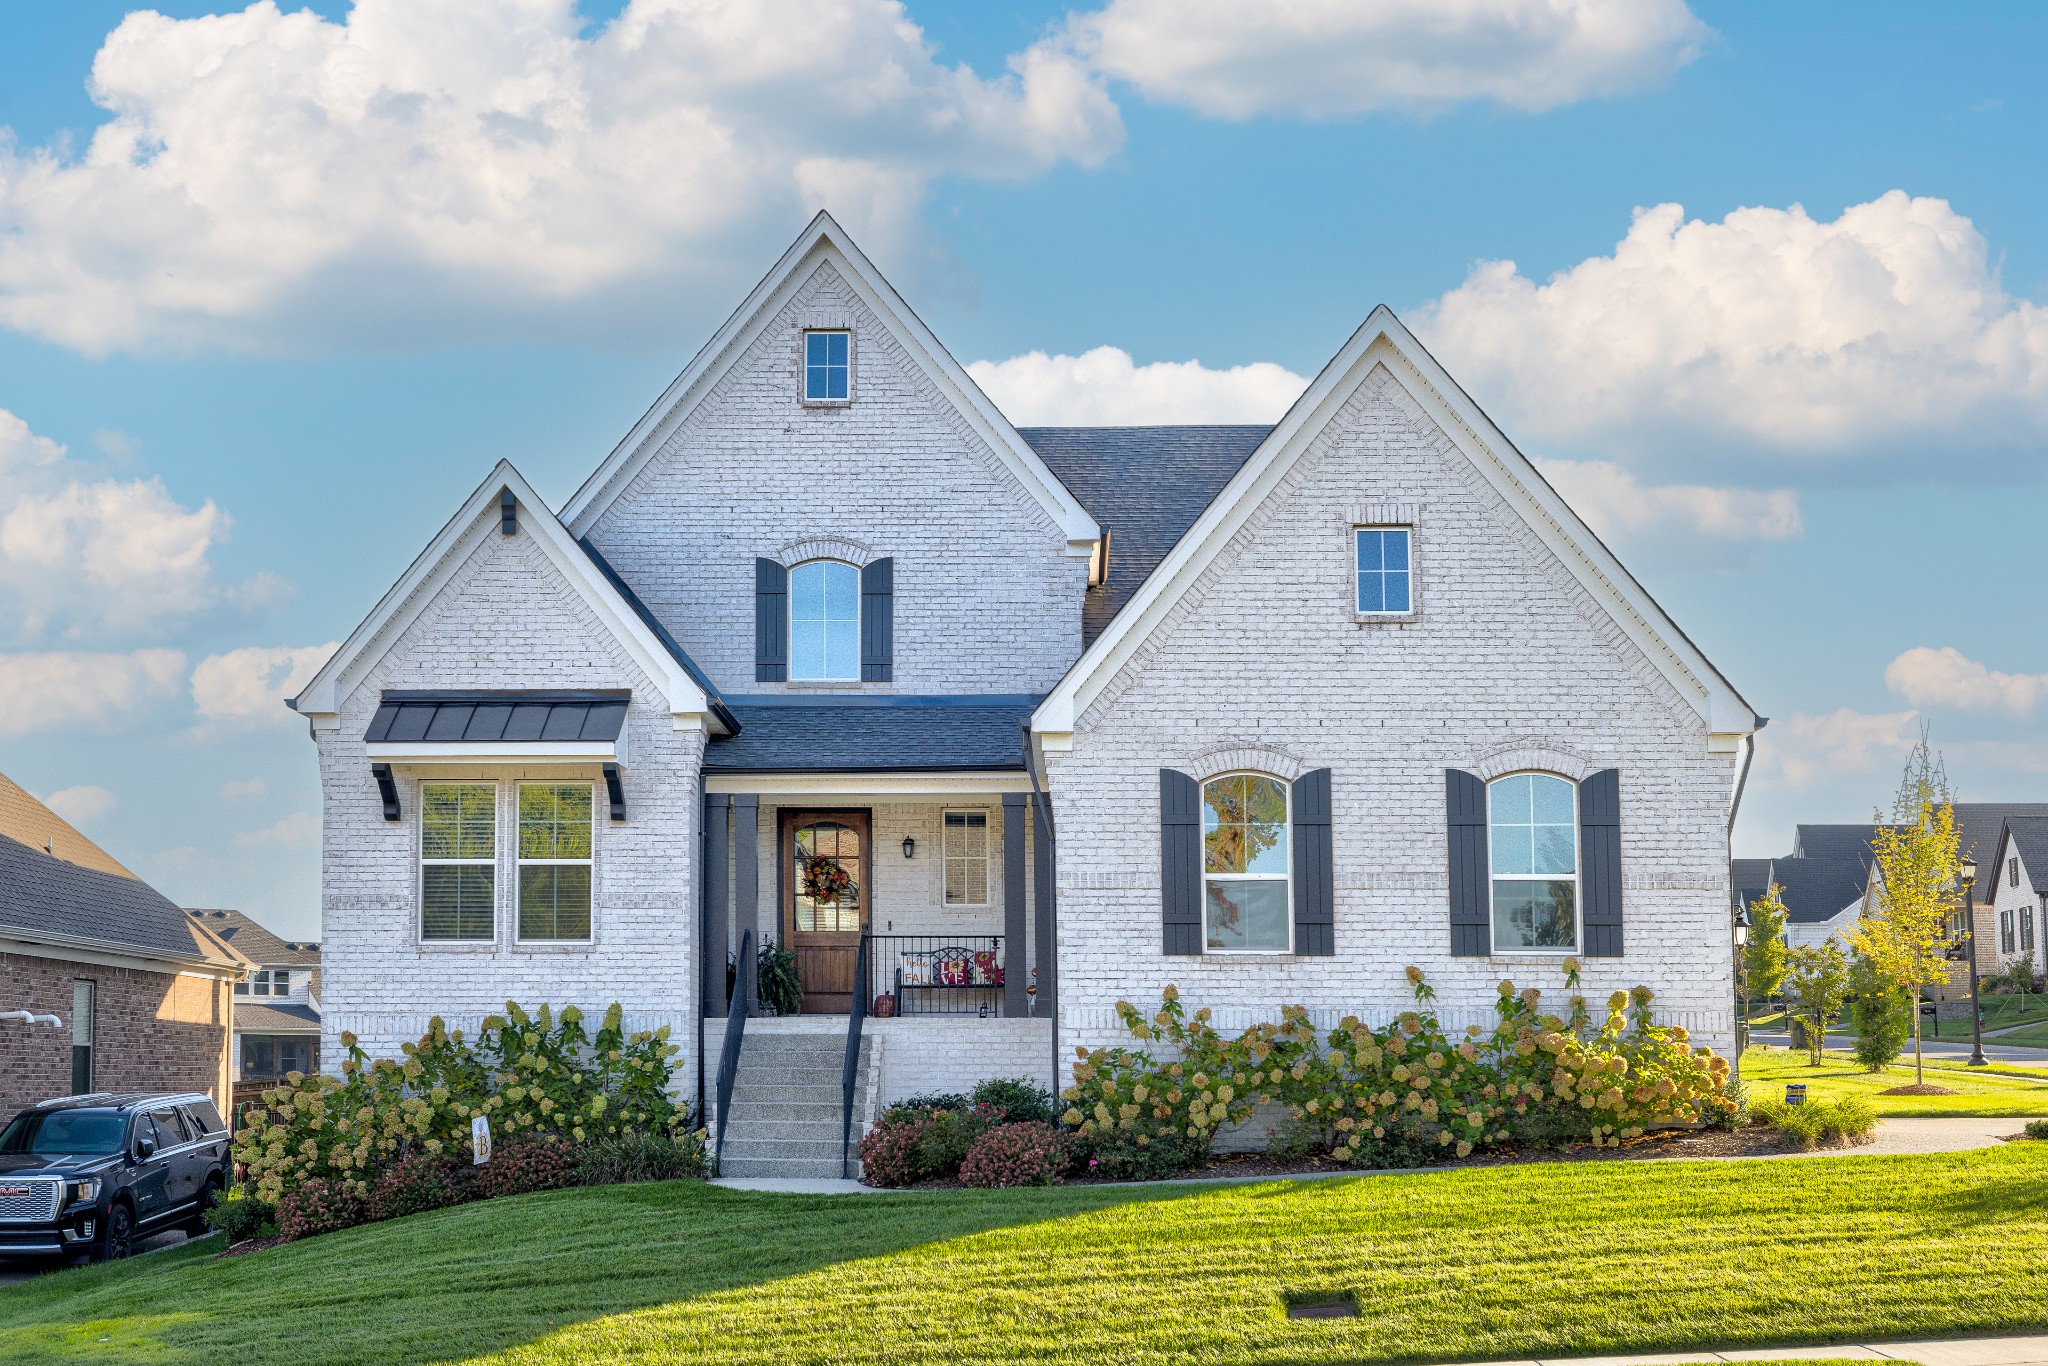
(140, 991)
(826, 648)
(2018, 875)
(277, 1006)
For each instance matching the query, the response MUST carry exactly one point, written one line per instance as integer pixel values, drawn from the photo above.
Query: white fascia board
(478, 519)
(823, 238)
(863, 784)
(495, 751)
(1383, 339)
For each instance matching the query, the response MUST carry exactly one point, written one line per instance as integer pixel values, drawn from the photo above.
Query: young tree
(1818, 979)
(1763, 958)
(1883, 1016)
(1903, 933)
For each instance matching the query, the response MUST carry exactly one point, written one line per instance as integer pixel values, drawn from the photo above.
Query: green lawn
(1552, 1259)
(2000, 1012)
(1981, 1091)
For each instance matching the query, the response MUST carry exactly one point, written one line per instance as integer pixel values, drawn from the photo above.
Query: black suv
(88, 1175)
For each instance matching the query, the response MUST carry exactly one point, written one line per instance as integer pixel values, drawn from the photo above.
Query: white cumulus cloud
(1332, 58)
(1928, 677)
(300, 830)
(54, 690)
(1105, 387)
(460, 166)
(1807, 750)
(248, 686)
(235, 789)
(1672, 521)
(81, 805)
(1769, 329)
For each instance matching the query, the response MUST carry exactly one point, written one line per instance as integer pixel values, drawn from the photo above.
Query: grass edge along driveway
(1981, 1091)
(1548, 1259)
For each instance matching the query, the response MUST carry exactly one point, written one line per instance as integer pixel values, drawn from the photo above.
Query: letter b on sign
(480, 1139)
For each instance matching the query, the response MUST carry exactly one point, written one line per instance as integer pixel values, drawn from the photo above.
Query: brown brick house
(142, 992)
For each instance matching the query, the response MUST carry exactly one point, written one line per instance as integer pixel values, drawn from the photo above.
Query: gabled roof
(1834, 842)
(24, 818)
(1145, 486)
(255, 943)
(979, 734)
(253, 1017)
(656, 653)
(1383, 338)
(1748, 879)
(1978, 828)
(824, 240)
(1816, 889)
(47, 900)
(2026, 836)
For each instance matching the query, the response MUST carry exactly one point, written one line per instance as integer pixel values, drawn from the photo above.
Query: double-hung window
(2005, 931)
(266, 982)
(824, 621)
(458, 860)
(826, 371)
(966, 858)
(1533, 851)
(1245, 865)
(554, 861)
(1385, 573)
(83, 999)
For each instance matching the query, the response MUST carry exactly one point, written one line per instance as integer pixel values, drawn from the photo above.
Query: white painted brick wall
(507, 620)
(1507, 652)
(986, 599)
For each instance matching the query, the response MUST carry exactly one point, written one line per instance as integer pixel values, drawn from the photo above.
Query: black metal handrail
(855, 1014)
(735, 1034)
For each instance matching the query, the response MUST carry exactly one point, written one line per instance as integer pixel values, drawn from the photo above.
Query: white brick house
(828, 653)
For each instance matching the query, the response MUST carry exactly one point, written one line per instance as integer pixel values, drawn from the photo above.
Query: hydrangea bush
(1393, 1095)
(536, 1077)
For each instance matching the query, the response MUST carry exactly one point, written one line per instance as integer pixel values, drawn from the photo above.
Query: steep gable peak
(823, 243)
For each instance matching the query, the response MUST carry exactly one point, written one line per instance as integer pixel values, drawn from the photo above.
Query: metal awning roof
(497, 717)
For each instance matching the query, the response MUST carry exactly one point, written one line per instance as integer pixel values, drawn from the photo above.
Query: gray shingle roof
(255, 943)
(873, 735)
(1146, 485)
(1816, 889)
(661, 633)
(1834, 841)
(1748, 878)
(2028, 837)
(39, 893)
(251, 1018)
(1977, 829)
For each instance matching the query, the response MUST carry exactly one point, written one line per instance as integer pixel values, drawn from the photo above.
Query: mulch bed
(251, 1245)
(1919, 1089)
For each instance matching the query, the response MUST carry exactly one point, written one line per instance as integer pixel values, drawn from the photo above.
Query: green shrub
(1020, 1101)
(1029, 1153)
(317, 1205)
(1818, 1121)
(2037, 1128)
(776, 981)
(242, 1217)
(1296, 1141)
(413, 1185)
(946, 1139)
(1884, 1021)
(931, 1100)
(888, 1152)
(530, 1163)
(642, 1157)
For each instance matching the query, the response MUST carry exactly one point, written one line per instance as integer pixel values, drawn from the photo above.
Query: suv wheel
(209, 1198)
(118, 1240)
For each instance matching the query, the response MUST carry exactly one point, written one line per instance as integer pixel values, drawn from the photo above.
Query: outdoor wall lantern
(909, 847)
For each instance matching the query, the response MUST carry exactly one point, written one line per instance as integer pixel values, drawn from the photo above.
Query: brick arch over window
(795, 553)
(1240, 756)
(1532, 754)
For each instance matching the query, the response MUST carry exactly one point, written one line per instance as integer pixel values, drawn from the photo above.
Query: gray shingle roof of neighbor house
(1748, 878)
(873, 735)
(1834, 841)
(1816, 889)
(469, 716)
(1145, 486)
(2028, 837)
(251, 1018)
(44, 895)
(255, 943)
(1977, 828)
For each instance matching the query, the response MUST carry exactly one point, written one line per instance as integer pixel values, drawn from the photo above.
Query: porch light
(909, 847)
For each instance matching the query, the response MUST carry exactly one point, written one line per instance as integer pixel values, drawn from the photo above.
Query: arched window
(1533, 828)
(824, 620)
(1246, 865)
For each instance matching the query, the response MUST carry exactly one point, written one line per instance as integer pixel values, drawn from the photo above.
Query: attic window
(827, 367)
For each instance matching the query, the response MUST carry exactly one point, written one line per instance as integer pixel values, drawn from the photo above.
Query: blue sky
(287, 325)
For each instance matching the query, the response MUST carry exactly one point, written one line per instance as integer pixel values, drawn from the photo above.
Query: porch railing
(934, 974)
(849, 1071)
(735, 1035)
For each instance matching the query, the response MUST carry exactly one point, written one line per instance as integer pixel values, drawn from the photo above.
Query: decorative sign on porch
(480, 1139)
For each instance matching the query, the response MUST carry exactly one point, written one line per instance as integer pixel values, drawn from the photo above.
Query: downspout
(1735, 806)
(696, 996)
(1050, 952)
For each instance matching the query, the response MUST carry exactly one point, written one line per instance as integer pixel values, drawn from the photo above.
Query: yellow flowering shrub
(538, 1076)
(1402, 1092)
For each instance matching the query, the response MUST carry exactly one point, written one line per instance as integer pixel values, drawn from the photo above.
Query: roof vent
(508, 511)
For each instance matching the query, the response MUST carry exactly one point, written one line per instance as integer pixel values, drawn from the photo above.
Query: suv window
(202, 1118)
(170, 1130)
(71, 1133)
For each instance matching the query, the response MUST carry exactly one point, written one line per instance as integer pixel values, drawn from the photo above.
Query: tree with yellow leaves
(1902, 936)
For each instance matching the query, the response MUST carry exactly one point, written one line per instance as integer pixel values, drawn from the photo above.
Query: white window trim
(789, 643)
(1414, 571)
(1287, 879)
(421, 861)
(1494, 878)
(987, 857)
(518, 863)
(803, 369)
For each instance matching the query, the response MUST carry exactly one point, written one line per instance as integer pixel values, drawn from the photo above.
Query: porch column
(1015, 1002)
(746, 883)
(717, 806)
(1044, 876)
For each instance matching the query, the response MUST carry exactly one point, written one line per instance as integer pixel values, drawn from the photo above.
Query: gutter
(138, 952)
(1048, 952)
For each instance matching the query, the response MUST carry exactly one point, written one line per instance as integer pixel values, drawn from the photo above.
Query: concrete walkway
(2018, 1351)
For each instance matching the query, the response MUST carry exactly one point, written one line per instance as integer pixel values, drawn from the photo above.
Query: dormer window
(824, 621)
(827, 372)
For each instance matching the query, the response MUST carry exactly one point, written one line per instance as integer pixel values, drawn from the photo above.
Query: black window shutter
(771, 622)
(1315, 916)
(1471, 892)
(878, 622)
(1180, 862)
(1600, 862)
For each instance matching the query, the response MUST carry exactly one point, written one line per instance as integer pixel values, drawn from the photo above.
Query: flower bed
(389, 1137)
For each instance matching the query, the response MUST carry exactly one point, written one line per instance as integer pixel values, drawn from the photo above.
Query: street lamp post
(1741, 979)
(1967, 874)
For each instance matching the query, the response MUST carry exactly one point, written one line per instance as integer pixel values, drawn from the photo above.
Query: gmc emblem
(13, 1190)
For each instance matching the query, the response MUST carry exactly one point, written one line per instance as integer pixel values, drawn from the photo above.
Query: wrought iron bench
(947, 968)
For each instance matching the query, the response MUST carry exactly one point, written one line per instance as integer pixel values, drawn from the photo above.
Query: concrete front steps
(787, 1106)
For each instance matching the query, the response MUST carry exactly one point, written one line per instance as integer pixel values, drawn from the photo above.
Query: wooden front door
(825, 903)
